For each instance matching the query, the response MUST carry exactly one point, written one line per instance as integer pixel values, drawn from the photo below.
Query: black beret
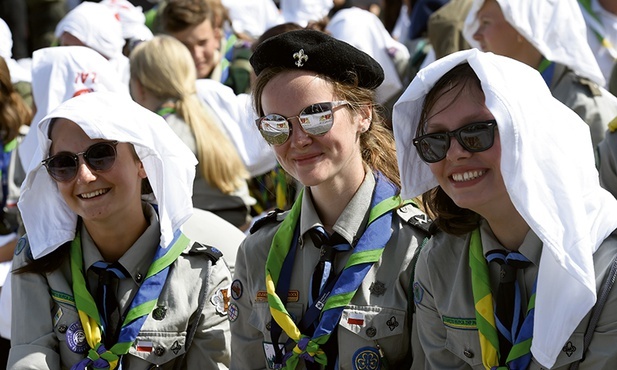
(318, 52)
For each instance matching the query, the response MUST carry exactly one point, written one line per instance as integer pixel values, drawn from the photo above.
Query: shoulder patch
(21, 244)
(594, 89)
(416, 218)
(272, 216)
(211, 252)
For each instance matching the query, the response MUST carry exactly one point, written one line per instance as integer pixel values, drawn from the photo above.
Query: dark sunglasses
(316, 119)
(99, 157)
(474, 137)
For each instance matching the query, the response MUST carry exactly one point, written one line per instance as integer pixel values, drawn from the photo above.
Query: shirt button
(139, 278)
(159, 351)
(468, 353)
(371, 332)
(62, 329)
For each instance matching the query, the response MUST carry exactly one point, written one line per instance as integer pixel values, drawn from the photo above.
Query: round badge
(76, 338)
(418, 292)
(236, 289)
(20, 245)
(232, 312)
(366, 358)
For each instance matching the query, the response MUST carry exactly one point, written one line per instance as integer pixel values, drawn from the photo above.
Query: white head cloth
(96, 26)
(549, 172)
(60, 73)
(132, 19)
(366, 31)
(555, 27)
(18, 73)
(304, 11)
(169, 165)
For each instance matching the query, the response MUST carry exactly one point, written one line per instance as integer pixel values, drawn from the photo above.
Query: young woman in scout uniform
(105, 278)
(527, 232)
(325, 285)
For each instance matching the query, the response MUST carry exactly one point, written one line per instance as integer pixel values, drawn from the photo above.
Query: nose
(299, 138)
(478, 34)
(456, 151)
(84, 173)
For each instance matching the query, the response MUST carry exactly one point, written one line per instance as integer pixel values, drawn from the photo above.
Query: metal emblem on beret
(76, 338)
(392, 323)
(366, 358)
(159, 313)
(377, 288)
(301, 57)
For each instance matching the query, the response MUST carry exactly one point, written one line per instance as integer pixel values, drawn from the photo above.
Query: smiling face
(203, 41)
(472, 180)
(101, 197)
(334, 159)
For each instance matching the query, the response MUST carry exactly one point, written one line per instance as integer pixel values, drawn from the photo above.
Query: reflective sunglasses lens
(62, 167)
(317, 119)
(101, 157)
(274, 128)
(434, 148)
(477, 137)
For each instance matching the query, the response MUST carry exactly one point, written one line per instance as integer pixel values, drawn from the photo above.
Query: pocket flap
(373, 323)
(158, 347)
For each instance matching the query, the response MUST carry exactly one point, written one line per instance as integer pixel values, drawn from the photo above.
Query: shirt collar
(136, 261)
(352, 220)
(530, 248)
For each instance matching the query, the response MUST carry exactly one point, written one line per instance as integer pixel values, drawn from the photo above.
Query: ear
(364, 115)
(141, 170)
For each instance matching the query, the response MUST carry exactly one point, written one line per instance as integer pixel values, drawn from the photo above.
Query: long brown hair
(13, 110)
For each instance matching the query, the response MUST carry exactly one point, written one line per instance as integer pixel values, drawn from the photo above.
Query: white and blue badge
(366, 358)
(76, 338)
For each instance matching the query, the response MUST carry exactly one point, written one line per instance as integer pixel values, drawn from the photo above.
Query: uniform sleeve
(607, 166)
(246, 341)
(428, 330)
(210, 348)
(33, 341)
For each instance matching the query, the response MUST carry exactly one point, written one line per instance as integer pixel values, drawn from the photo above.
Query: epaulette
(416, 218)
(594, 89)
(272, 216)
(211, 252)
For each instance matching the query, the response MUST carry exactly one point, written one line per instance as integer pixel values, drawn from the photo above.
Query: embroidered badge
(236, 289)
(569, 349)
(76, 338)
(175, 348)
(144, 346)
(58, 316)
(392, 323)
(377, 288)
(232, 312)
(220, 300)
(159, 313)
(301, 58)
(262, 296)
(418, 292)
(459, 323)
(366, 358)
(20, 245)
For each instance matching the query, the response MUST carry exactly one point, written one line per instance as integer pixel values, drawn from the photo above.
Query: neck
(609, 5)
(331, 199)
(510, 229)
(113, 238)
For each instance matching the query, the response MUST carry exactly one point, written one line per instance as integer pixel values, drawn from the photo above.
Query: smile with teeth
(93, 194)
(466, 176)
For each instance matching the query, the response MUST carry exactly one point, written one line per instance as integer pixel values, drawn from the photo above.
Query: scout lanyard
(141, 306)
(365, 254)
(547, 69)
(520, 354)
(594, 21)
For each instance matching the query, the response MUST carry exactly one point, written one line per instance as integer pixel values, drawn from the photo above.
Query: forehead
(489, 8)
(194, 34)
(293, 90)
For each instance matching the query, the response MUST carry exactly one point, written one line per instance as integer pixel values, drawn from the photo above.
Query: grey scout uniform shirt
(377, 314)
(45, 331)
(444, 331)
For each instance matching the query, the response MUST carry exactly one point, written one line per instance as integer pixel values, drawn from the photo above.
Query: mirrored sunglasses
(99, 157)
(316, 119)
(474, 137)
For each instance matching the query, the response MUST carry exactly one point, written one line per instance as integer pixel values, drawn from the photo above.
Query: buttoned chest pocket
(261, 318)
(363, 330)
(70, 333)
(465, 344)
(159, 347)
(571, 352)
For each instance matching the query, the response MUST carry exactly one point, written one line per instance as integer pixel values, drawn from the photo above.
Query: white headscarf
(132, 19)
(60, 73)
(169, 165)
(555, 27)
(18, 73)
(549, 172)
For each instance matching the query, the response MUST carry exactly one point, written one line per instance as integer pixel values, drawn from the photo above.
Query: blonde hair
(165, 68)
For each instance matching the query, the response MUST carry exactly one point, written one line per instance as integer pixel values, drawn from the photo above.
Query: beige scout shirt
(377, 314)
(46, 329)
(586, 99)
(444, 323)
(607, 162)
